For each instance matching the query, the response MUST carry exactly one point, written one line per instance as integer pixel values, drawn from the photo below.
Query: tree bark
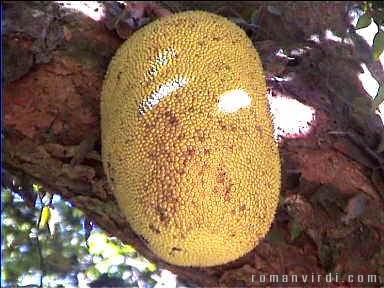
(331, 215)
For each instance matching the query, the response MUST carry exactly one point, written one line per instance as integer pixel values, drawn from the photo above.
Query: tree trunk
(331, 213)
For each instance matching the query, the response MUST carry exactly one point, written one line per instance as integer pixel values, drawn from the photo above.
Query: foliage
(49, 245)
(374, 11)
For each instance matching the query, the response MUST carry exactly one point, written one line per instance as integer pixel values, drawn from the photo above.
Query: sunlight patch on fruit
(165, 89)
(233, 100)
(161, 59)
(291, 118)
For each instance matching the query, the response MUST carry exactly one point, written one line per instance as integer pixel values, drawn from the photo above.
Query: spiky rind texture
(200, 185)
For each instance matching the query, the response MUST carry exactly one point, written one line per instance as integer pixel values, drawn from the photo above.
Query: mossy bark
(51, 103)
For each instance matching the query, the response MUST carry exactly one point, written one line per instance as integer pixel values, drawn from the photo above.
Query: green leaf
(275, 235)
(379, 98)
(151, 267)
(92, 272)
(127, 249)
(364, 21)
(378, 44)
(295, 229)
(36, 187)
(44, 217)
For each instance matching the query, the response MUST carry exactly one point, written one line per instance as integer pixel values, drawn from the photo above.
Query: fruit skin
(199, 184)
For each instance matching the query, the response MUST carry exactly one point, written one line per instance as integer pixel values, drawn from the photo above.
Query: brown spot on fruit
(153, 228)
(162, 214)
(174, 250)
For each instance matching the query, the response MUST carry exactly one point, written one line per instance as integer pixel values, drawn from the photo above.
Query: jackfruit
(187, 139)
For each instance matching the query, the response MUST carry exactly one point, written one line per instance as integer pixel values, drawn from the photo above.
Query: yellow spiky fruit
(187, 139)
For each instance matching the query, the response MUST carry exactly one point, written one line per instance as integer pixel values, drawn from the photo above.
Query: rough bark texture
(331, 215)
